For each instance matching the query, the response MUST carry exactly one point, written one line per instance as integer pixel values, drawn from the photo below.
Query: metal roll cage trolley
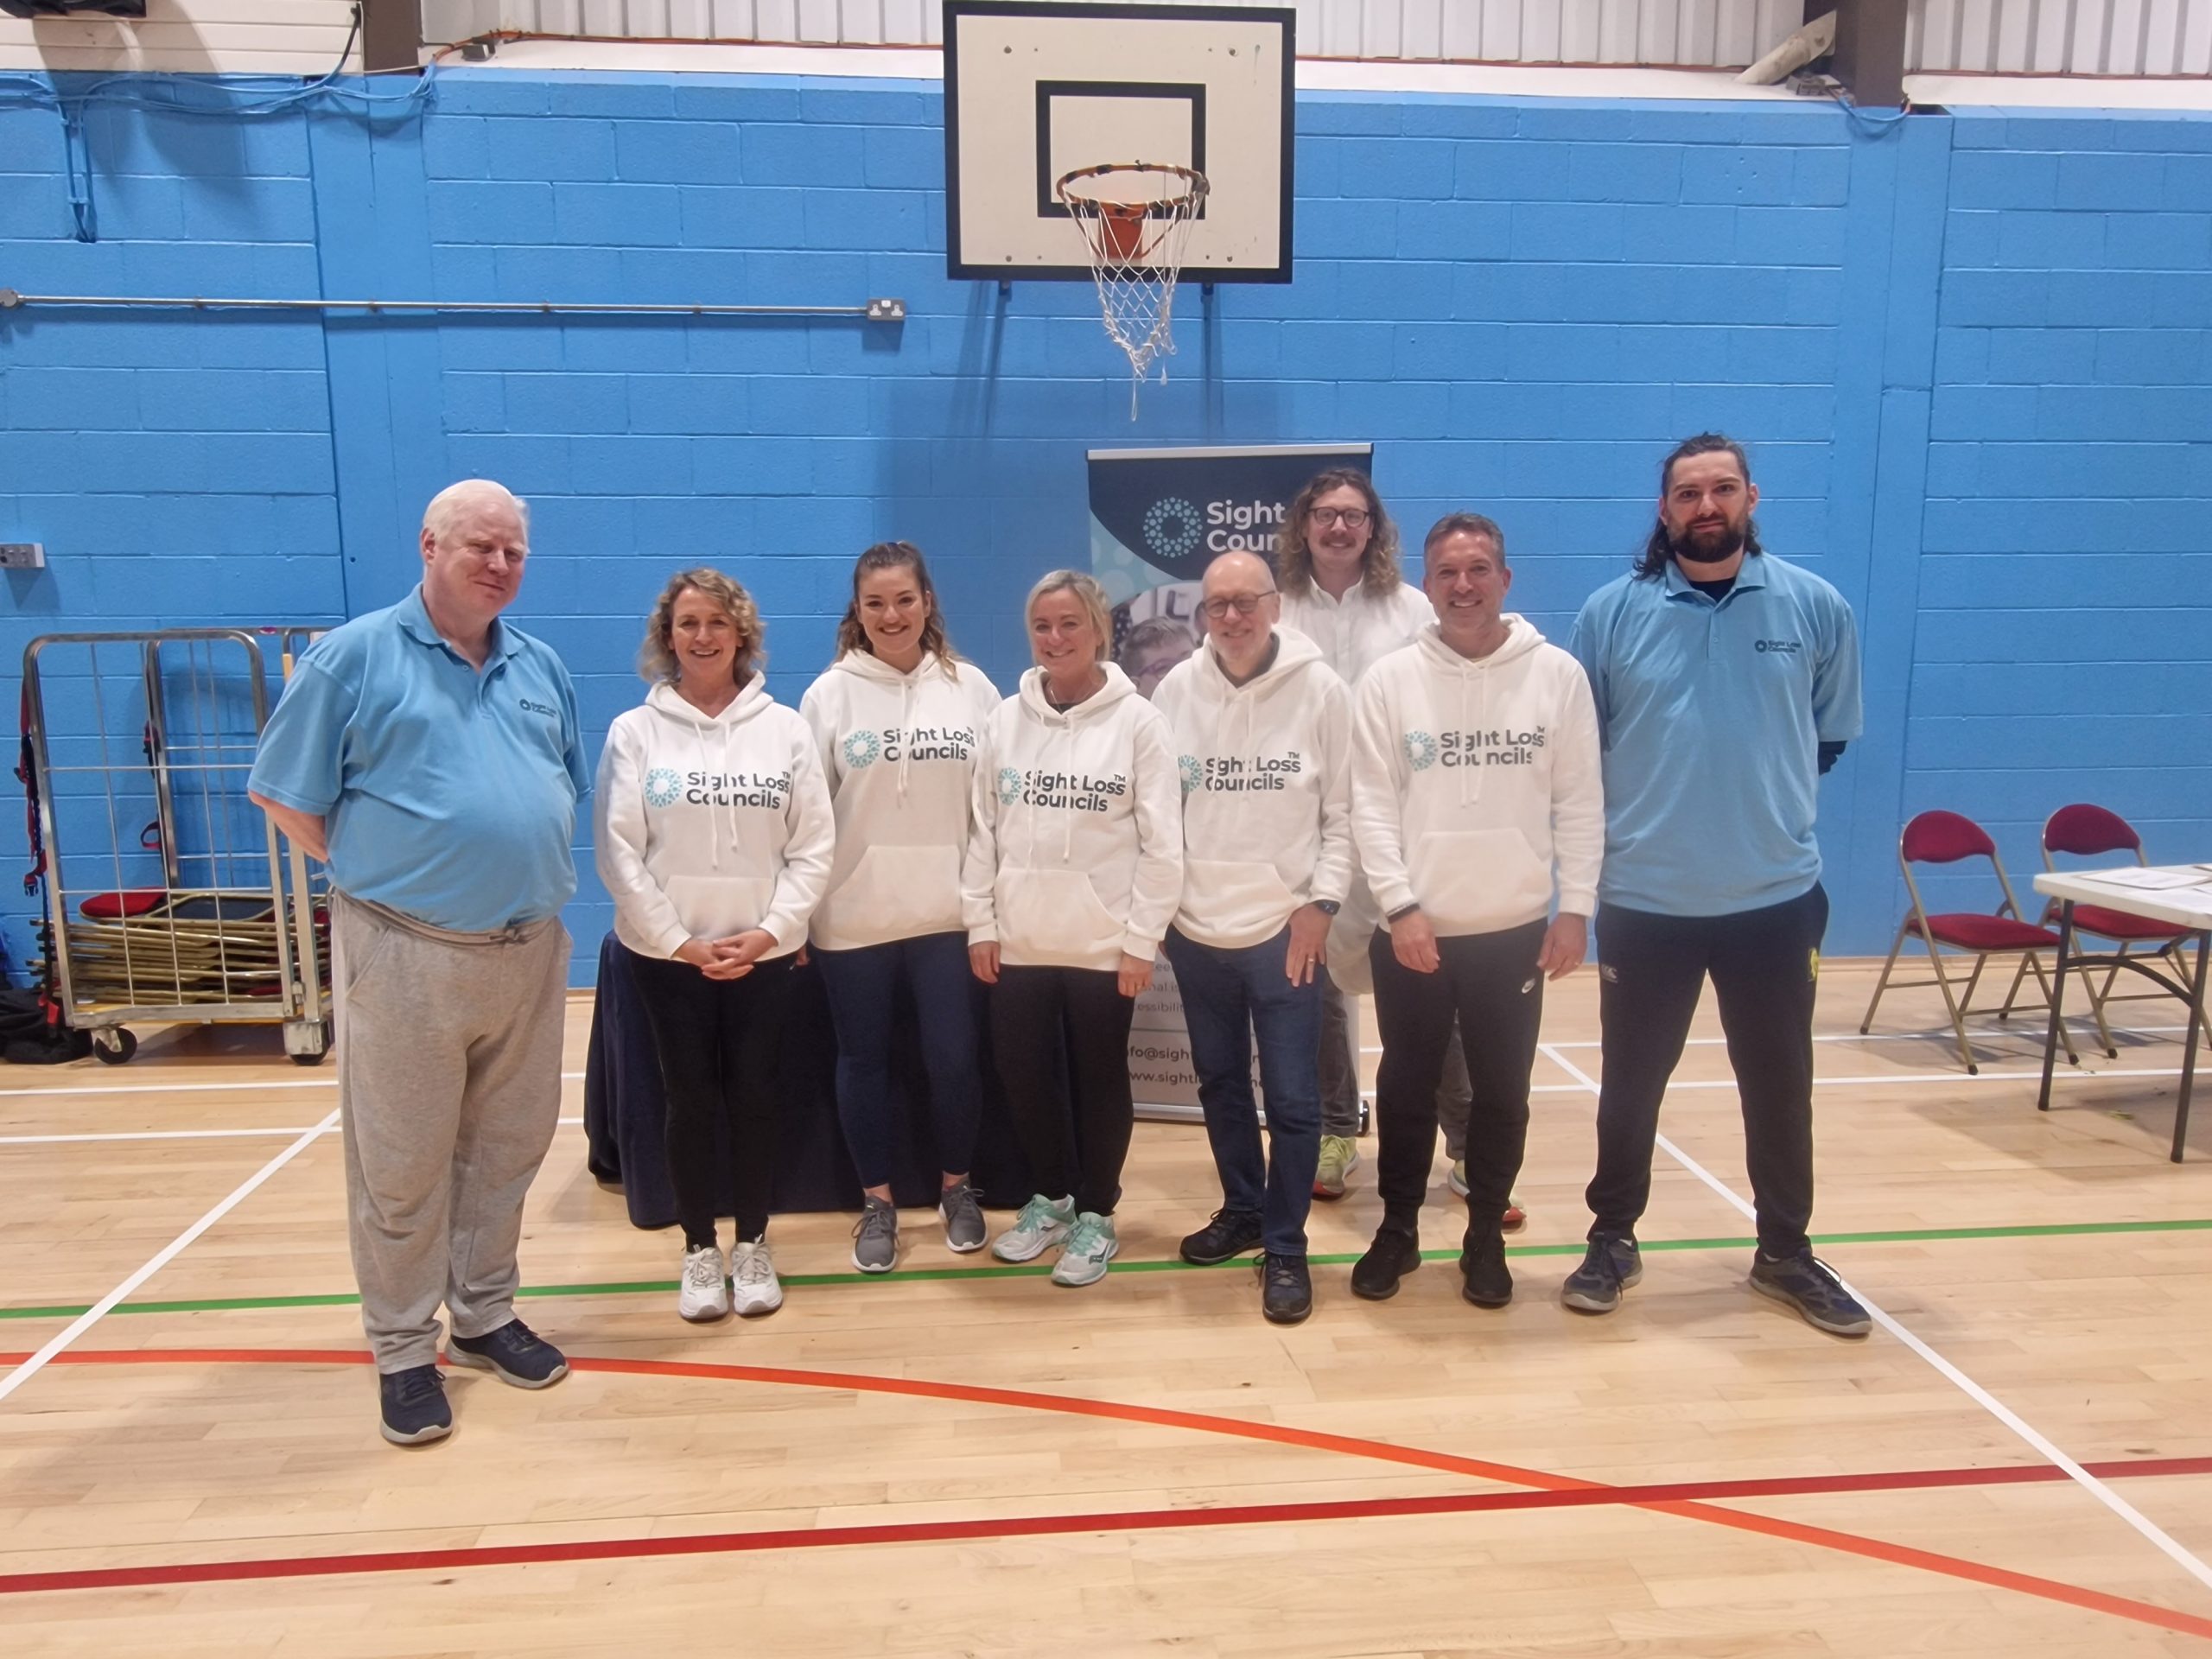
(199, 916)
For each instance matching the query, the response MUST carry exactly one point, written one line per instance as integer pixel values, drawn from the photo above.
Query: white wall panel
(278, 37)
(2079, 37)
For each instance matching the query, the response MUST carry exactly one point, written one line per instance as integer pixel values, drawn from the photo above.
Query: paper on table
(2150, 881)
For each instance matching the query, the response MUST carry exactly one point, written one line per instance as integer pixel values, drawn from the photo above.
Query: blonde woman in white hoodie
(900, 721)
(1477, 800)
(714, 834)
(1073, 872)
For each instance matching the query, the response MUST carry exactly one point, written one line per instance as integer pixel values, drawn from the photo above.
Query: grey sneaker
(962, 1215)
(875, 1236)
(1809, 1285)
(1610, 1266)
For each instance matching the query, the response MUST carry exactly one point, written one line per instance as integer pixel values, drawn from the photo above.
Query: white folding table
(2180, 895)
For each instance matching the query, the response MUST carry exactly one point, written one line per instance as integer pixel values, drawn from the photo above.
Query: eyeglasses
(1349, 517)
(1243, 604)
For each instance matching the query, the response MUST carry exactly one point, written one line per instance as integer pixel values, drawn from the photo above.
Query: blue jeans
(860, 984)
(1230, 996)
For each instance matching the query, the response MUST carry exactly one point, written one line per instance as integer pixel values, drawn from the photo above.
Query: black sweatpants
(719, 1041)
(1765, 969)
(1489, 983)
(1061, 1039)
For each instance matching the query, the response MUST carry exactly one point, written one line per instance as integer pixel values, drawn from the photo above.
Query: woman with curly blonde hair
(714, 834)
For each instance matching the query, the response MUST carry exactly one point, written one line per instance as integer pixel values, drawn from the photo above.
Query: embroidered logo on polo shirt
(1785, 645)
(539, 708)
(862, 748)
(1420, 751)
(663, 786)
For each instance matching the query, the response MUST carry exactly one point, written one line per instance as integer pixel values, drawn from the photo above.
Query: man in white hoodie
(1476, 797)
(1262, 730)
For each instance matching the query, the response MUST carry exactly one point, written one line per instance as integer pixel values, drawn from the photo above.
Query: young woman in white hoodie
(1476, 799)
(714, 834)
(1074, 868)
(900, 720)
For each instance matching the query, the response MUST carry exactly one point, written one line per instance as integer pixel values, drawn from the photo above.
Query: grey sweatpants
(449, 1081)
(1340, 1078)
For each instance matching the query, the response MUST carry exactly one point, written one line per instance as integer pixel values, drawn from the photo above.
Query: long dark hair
(896, 556)
(1659, 551)
(1294, 560)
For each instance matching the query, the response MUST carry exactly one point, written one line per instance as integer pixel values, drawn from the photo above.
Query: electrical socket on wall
(23, 555)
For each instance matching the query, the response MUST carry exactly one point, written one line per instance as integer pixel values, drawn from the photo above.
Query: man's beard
(1710, 546)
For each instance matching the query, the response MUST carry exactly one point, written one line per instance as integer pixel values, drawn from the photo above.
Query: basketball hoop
(1135, 218)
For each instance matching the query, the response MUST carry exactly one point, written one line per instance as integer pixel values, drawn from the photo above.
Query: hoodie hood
(664, 699)
(1118, 686)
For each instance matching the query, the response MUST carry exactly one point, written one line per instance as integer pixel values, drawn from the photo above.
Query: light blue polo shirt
(451, 795)
(1711, 715)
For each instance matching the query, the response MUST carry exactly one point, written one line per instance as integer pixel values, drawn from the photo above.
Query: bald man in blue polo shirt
(429, 754)
(1726, 681)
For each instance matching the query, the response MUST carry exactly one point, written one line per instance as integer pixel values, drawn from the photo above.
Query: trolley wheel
(309, 1060)
(120, 1044)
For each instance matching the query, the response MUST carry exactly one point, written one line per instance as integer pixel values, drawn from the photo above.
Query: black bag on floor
(31, 1031)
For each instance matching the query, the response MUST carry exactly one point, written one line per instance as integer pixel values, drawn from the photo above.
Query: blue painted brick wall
(1524, 304)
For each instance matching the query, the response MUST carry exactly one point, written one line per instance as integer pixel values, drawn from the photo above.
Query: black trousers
(1765, 969)
(1490, 984)
(718, 1041)
(1061, 1039)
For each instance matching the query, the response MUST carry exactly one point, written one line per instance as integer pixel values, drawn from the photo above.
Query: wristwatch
(1327, 906)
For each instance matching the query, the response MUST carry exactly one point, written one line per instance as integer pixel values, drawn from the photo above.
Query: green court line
(644, 1286)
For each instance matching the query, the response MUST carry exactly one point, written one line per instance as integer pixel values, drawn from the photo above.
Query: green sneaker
(1042, 1223)
(1091, 1246)
(1339, 1157)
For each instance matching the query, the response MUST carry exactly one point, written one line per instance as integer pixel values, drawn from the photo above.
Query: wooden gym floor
(961, 1459)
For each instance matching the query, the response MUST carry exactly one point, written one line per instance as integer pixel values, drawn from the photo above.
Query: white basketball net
(1135, 219)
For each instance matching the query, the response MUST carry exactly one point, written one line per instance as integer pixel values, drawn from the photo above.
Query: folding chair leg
(1895, 945)
(1958, 1024)
(2097, 1000)
(2011, 991)
(1972, 980)
(2065, 1036)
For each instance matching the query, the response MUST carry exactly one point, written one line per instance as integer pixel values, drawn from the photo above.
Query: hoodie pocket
(716, 906)
(898, 892)
(1473, 880)
(1236, 900)
(1050, 917)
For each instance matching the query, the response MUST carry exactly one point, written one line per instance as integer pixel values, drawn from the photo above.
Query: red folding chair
(2085, 831)
(1946, 838)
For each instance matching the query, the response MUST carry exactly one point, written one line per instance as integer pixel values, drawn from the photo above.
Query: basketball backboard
(1034, 89)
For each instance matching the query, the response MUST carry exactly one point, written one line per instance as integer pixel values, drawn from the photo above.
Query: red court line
(1549, 1491)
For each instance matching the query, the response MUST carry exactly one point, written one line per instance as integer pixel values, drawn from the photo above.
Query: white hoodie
(1267, 791)
(710, 824)
(1077, 854)
(1472, 780)
(1358, 631)
(899, 751)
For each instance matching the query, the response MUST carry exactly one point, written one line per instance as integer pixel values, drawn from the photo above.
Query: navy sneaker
(1285, 1289)
(513, 1353)
(1809, 1285)
(1610, 1266)
(1231, 1233)
(412, 1406)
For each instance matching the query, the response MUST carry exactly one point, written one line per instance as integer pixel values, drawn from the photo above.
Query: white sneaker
(753, 1289)
(701, 1295)
(1091, 1246)
(1042, 1223)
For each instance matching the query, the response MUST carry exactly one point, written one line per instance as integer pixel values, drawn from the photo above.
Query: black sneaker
(1285, 1287)
(1389, 1259)
(1231, 1233)
(1809, 1285)
(513, 1353)
(1484, 1280)
(412, 1406)
(1610, 1266)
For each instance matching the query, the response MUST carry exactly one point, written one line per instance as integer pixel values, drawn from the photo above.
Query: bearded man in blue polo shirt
(1726, 681)
(429, 754)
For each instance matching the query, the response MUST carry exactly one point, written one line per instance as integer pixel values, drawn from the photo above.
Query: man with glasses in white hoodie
(1477, 800)
(1263, 729)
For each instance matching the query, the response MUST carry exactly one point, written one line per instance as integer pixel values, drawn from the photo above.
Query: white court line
(245, 1087)
(1973, 1390)
(98, 1310)
(172, 1135)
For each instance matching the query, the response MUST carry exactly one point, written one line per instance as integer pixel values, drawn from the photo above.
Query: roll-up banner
(1158, 517)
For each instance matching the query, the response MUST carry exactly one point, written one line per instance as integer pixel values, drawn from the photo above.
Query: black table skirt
(625, 1113)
